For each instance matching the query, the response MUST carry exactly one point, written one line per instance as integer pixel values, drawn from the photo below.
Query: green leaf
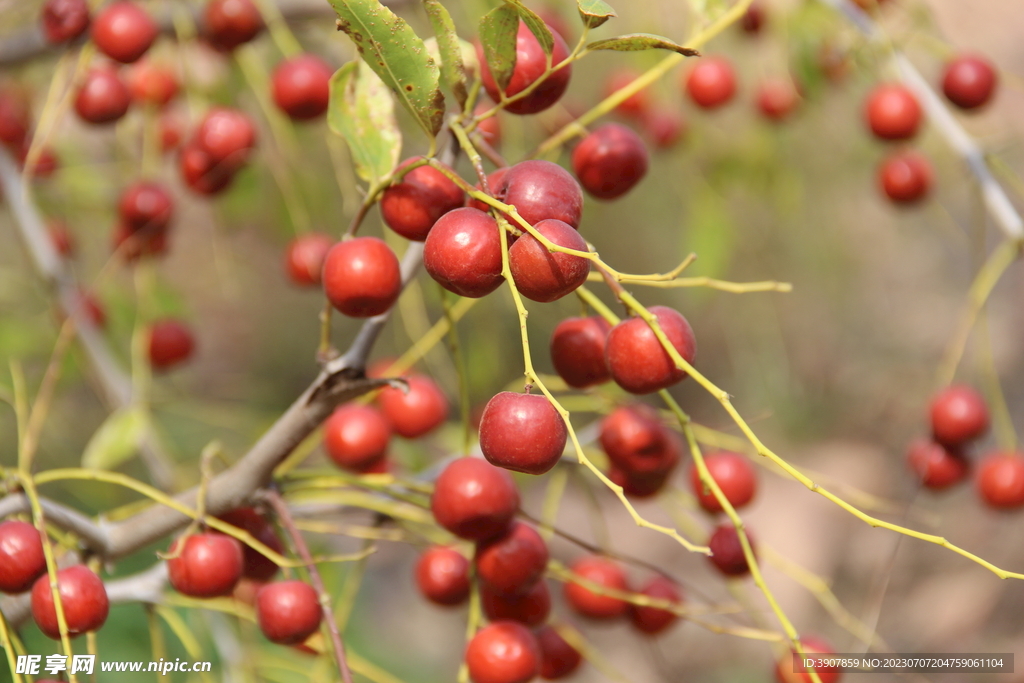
(498, 30)
(641, 41)
(393, 50)
(536, 25)
(117, 439)
(362, 111)
(595, 12)
(450, 49)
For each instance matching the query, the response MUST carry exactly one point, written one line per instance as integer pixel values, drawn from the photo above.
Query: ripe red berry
(637, 361)
(892, 112)
(496, 183)
(637, 442)
(577, 351)
(545, 276)
(539, 190)
(304, 258)
(610, 161)
(82, 596)
(905, 177)
(419, 411)
(522, 432)
(412, 206)
(734, 475)
(288, 612)
(636, 104)
(462, 252)
(753, 19)
(1001, 480)
(664, 126)
(15, 114)
(102, 97)
(21, 556)
(63, 241)
(474, 500)
(969, 81)
(558, 658)
(789, 672)
(135, 244)
(777, 98)
(936, 466)
(653, 620)
(146, 205)
(152, 83)
(362, 277)
(206, 566)
(727, 550)
(202, 173)
(356, 437)
(639, 484)
(530, 608)
(64, 20)
(123, 31)
(170, 131)
(606, 574)
(229, 23)
(257, 566)
(513, 562)
(170, 343)
(958, 414)
(711, 83)
(442, 575)
(503, 652)
(227, 136)
(301, 86)
(530, 65)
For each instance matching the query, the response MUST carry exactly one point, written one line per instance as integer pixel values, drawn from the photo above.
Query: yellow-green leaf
(362, 111)
(594, 12)
(634, 42)
(449, 48)
(498, 30)
(117, 440)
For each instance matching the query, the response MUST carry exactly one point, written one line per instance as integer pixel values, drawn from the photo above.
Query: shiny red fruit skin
(610, 161)
(905, 177)
(636, 104)
(1000, 480)
(123, 31)
(777, 98)
(892, 112)
(170, 343)
(652, 620)
(637, 442)
(711, 83)
(577, 351)
(288, 612)
(412, 206)
(495, 181)
(639, 485)
(474, 500)
(531, 62)
(784, 671)
(665, 127)
(540, 190)
(304, 258)
(545, 276)
(969, 81)
(64, 20)
(135, 244)
(936, 466)
(15, 114)
(636, 359)
(442, 575)
(21, 556)
(727, 551)
(531, 608)
(229, 23)
(103, 97)
(603, 572)
(416, 413)
(753, 19)
(734, 475)
(257, 566)
(152, 83)
(202, 173)
(462, 252)
(82, 595)
(522, 433)
(958, 415)
(558, 658)
(209, 565)
(503, 652)
(514, 562)
(362, 277)
(227, 136)
(301, 86)
(146, 205)
(356, 437)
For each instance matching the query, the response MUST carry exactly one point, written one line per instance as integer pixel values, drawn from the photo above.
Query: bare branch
(91, 534)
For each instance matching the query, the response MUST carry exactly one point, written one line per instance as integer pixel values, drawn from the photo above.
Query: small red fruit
(530, 608)
(522, 432)
(474, 500)
(412, 206)
(652, 620)
(82, 596)
(15, 114)
(969, 81)
(152, 83)
(301, 86)
(64, 20)
(558, 658)
(958, 414)
(304, 258)
(788, 671)
(258, 566)
(777, 98)
(753, 19)
(545, 276)
(202, 173)
(530, 65)
(442, 575)
(577, 351)
(356, 437)
(489, 128)
(604, 573)
(1001, 480)
(636, 104)
(892, 112)
(103, 97)
(727, 550)
(636, 359)
(21, 556)
(503, 652)
(905, 177)
(288, 612)
(513, 562)
(146, 205)
(639, 485)
(540, 190)
(711, 83)
(170, 343)
(935, 465)
(123, 31)
(207, 566)
(170, 131)
(665, 127)
(462, 252)
(362, 277)
(134, 245)
(734, 475)
(44, 165)
(495, 181)
(417, 412)
(636, 441)
(610, 161)
(229, 23)
(63, 241)
(227, 136)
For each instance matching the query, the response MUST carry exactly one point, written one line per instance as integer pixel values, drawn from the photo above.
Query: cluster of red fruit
(959, 416)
